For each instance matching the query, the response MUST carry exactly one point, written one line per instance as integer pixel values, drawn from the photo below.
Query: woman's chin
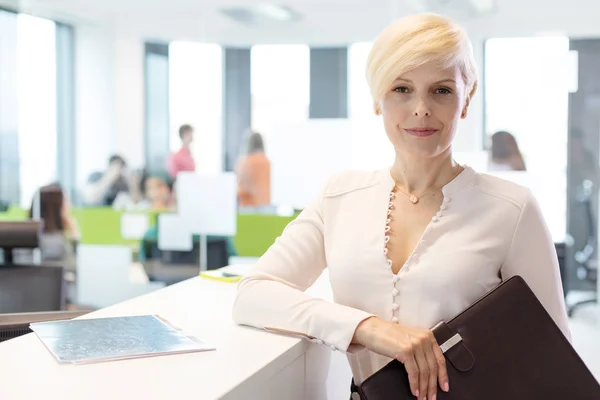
(423, 150)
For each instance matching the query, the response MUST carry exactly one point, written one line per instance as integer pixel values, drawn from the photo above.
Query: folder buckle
(450, 343)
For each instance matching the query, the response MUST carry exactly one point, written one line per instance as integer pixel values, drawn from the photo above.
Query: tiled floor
(585, 329)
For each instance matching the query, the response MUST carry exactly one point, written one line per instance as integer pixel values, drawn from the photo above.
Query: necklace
(415, 199)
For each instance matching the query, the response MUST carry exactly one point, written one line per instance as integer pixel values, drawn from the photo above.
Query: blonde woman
(408, 246)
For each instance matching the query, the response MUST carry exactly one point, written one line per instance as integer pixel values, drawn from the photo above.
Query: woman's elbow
(243, 298)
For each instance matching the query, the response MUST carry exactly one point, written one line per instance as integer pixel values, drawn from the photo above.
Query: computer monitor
(32, 288)
(170, 266)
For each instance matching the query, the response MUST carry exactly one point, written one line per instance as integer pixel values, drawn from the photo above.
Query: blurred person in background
(103, 188)
(254, 174)
(505, 154)
(183, 159)
(59, 228)
(158, 192)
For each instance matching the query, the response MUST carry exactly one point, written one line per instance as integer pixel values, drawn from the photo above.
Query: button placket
(395, 278)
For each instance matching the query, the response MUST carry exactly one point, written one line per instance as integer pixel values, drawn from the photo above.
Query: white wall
(109, 98)
(129, 81)
(94, 99)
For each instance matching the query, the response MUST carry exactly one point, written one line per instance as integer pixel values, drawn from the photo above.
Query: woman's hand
(416, 348)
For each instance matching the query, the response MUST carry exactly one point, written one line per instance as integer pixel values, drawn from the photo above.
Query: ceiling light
(261, 13)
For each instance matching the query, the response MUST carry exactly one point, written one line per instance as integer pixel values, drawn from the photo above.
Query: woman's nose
(422, 109)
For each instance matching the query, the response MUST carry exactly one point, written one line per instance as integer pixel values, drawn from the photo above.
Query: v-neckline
(447, 190)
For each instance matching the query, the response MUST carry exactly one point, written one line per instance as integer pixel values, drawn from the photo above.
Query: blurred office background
(82, 80)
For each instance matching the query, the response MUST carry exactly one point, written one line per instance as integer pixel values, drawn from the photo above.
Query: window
(157, 105)
(36, 93)
(526, 93)
(280, 86)
(36, 136)
(196, 98)
(9, 138)
(371, 147)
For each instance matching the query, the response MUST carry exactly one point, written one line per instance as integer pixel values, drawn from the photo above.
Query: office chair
(586, 258)
(27, 288)
(19, 235)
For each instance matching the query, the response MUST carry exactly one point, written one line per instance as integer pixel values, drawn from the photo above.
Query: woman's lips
(421, 132)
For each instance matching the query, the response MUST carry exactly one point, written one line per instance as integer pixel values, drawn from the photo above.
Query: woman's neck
(418, 175)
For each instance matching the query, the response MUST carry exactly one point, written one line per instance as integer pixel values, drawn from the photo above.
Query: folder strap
(450, 343)
(454, 347)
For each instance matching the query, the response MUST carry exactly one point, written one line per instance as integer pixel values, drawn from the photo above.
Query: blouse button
(395, 292)
(319, 341)
(332, 347)
(394, 320)
(395, 307)
(443, 207)
(439, 214)
(434, 219)
(396, 278)
(446, 200)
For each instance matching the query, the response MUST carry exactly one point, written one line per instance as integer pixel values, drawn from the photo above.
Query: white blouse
(486, 230)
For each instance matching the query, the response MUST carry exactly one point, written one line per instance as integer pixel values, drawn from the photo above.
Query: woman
(254, 175)
(412, 245)
(158, 192)
(505, 154)
(59, 226)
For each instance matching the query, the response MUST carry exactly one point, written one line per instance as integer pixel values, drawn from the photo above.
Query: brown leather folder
(503, 347)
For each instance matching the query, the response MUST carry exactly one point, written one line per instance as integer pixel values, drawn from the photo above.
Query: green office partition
(14, 213)
(103, 225)
(256, 233)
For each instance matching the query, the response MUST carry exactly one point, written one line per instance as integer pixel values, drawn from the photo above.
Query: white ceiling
(324, 22)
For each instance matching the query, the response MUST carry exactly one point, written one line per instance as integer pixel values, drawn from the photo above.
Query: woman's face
(157, 189)
(422, 110)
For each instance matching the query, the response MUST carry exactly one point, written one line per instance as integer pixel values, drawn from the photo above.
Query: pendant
(414, 199)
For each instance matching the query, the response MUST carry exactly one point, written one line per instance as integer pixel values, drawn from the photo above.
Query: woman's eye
(401, 89)
(443, 91)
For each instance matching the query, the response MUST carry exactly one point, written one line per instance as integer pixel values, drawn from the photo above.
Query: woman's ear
(376, 108)
(463, 115)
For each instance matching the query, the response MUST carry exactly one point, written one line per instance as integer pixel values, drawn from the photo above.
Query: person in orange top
(254, 175)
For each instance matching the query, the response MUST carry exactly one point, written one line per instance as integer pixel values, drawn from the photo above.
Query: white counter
(248, 363)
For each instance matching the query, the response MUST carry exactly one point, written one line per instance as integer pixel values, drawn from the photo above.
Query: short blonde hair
(413, 41)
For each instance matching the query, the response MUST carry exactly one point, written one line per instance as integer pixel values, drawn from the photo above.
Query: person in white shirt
(412, 245)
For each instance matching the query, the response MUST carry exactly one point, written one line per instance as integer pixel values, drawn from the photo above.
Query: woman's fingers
(423, 366)
(410, 364)
(443, 380)
(432, 362)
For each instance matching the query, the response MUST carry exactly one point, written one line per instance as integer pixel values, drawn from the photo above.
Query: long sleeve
(532, 256)
(272, 297)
